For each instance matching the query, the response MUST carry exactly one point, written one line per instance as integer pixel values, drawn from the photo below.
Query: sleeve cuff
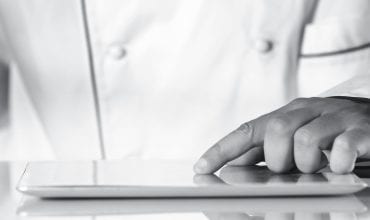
(358, 86)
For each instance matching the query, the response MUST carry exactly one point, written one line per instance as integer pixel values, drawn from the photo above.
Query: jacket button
(117, 51)
(262, 46)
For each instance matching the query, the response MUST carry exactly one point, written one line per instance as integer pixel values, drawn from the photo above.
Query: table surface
(13, 205)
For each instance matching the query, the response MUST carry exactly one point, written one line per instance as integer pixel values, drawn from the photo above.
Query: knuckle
(305, 100)
(361, 132)
(279, 124)
(304, 137)
(343, 142)
(245, 128)
(345, 103)
(354, 111)
(298, 102)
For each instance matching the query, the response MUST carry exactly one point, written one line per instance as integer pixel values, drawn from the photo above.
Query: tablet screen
(161, 173)
(177, 178)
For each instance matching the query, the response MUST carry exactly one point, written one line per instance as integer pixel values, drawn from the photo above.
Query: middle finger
(278, 141)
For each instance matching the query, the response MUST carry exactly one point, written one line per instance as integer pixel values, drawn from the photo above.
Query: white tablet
(149, 178)
(252, 206)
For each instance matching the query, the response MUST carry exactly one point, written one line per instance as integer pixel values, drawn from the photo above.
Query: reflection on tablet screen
(240, 175)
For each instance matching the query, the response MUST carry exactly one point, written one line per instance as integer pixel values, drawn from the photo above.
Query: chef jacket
(90, 79)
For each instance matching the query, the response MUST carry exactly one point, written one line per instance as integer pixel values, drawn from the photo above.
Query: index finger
(247, 136)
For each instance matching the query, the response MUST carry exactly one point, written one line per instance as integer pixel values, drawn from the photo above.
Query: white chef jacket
(164, 78)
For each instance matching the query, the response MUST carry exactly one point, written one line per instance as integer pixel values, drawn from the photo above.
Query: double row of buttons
(118, 51)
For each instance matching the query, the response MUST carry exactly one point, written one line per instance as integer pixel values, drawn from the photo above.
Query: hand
(298, 135)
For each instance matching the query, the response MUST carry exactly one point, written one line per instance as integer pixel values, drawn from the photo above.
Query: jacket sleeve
(358, 86)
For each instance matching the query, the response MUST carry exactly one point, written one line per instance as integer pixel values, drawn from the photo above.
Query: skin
(307, 134)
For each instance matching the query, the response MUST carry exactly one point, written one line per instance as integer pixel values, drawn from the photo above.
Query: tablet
(31, 206)
(159, 178)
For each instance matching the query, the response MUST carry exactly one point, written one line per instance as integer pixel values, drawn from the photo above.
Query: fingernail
(201, 166)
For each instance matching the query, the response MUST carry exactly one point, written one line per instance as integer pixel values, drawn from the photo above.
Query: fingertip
(279, 168)
(306, 169)
(342, 163)
(199, 179)
(211, 179)
(202, 167)
(341, 168)
(312, 164)
(343, 158)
